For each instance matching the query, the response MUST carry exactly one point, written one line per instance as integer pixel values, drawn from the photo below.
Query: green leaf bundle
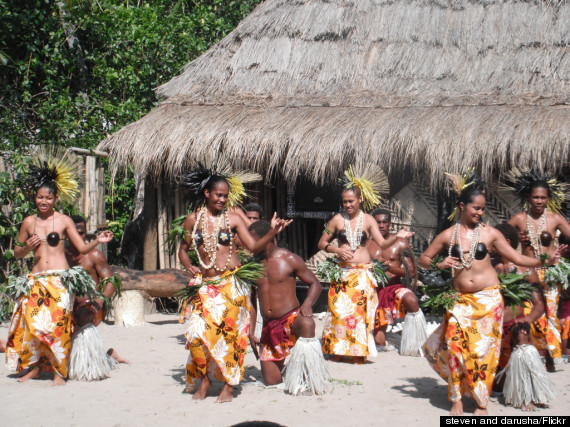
(558, 273)
(440, 298)
(329, 270)
(516, 290)
(379, 272)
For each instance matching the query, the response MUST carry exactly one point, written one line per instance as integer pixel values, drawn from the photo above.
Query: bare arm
(103, 270)
(253, 341)
(563, 225)
(191, 270)
(25, 237)
(82, 247)
(307, 277)
(438, 245)
(344, 254)
(277, 225)
(504, 249)
(538, 309)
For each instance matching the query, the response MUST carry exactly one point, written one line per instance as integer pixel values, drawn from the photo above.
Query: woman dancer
(353, 299)
(465, 349)
(40, 332)
(218, 324)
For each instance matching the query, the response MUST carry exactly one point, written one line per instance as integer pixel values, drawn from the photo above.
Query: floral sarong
(277, 338)
(387, 315)
(464, 350)
(549, 338)
(40, 332)
(217, 331)
(565, 320)
(350, 316)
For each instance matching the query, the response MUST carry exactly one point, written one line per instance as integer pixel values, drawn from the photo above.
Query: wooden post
(161, 225)
(150, 227)
(177, 213)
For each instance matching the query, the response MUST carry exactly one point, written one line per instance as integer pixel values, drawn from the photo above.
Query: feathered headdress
(196, 180)
(520, 181)
(370, 180)
(57, 168)
(459, 182)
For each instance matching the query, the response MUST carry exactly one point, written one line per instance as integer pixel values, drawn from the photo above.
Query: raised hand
(405, 233)
(278, 224)
(33, 242)
(557, 254)
(344, 254)
(448, 262)
(105, 237)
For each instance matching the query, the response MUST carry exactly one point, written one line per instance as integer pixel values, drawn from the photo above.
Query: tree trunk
(157, 283)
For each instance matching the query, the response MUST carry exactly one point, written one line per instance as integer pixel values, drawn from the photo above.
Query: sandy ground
(403, 390)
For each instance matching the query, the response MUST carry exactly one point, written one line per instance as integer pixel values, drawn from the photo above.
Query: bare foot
(2, 346)
(226, 395)
(205, 384)
(456, 408)
(113, 353)
(57, 381)
(32, 375)
(529, 408)
(480, 411)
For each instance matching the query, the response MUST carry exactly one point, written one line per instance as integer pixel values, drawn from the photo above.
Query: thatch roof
(308, 86)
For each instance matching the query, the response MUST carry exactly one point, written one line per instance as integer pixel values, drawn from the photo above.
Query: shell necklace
(466, 262)
(211, 240)
(354, 238)
(535, 236)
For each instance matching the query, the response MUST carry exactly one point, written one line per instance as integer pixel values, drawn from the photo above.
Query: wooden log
(158, 283)
(161, 225)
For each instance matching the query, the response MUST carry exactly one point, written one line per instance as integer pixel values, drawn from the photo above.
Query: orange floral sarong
(217, 331)
(350, 316)
(40, 332)
(386, 316)
(547, 336)
(464, 350)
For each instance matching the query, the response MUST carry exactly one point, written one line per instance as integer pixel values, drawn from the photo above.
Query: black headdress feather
(521, 181)
(43, 175)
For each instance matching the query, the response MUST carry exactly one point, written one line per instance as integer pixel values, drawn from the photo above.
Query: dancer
(541, 196)
(532, 312)
(253, 212)
(526, 381)
(39, 334)
(287, 325)
(396, 301)
(353, 300)
(464, 349)
(88, 360)
(218, 323)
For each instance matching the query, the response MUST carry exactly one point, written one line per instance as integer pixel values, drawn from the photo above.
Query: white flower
(344, 306)
(463, 314)
(234, 375)
(483, 346)
(481, 394)
(65, 301)
(58, 351)
(215, 306)
(196, 327)
(360, 333)
(489, 299)
(243, 320)
(220, 351)
(42, 321)
(341, 347)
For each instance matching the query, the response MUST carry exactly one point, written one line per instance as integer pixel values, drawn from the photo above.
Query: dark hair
(539, 183)
(78, 219)
(381, 211)
(510, 233)
(215, 179)
(476, 188)
(516, 329)
(49, 185)
(254, 207)
(354, 189)
(260, 228)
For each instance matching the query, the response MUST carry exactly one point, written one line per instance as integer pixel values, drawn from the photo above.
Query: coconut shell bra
(341, 236)
(480, 251)
(52, 238)
(223, 237)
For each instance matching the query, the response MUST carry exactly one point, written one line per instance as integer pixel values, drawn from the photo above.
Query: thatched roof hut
(308, 86)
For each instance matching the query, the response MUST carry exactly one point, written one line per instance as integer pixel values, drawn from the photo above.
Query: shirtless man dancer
(284, 321)
(394, 300)
(537, 228)
(96, 265)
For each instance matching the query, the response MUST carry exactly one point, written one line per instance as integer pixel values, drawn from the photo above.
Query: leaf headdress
(57, 168)
(370, 180)
(520, 181)
(460, 182)
(196, 181)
